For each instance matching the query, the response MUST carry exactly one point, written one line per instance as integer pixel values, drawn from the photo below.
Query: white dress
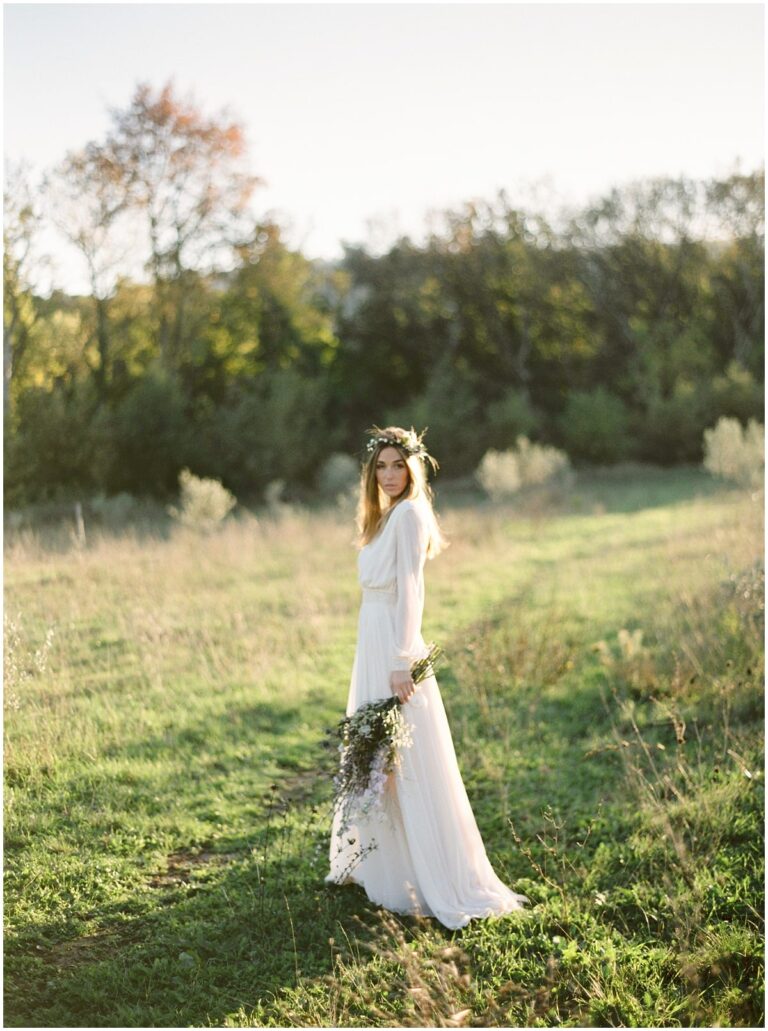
(423, 854)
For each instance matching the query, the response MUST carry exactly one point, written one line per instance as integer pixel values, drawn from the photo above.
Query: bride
(422, 853)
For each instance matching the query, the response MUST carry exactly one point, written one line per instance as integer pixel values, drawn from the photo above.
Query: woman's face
(391, 472)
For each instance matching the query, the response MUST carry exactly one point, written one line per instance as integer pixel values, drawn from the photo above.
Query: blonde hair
(370, 515)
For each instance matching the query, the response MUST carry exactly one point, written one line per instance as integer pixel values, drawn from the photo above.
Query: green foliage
(140, 442)
(451, 408)
(294, 408)
(338, 476)
(271, 315)
(117, 511)
(623, 334)
(737, 394)
(267, 432)
(595, 426)
(737, 271)
(671, 428)
(48, 449)
(510, 416)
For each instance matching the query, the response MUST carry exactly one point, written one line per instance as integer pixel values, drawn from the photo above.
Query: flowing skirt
(423, 853)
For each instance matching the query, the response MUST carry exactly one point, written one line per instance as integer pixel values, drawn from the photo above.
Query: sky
(364, 118)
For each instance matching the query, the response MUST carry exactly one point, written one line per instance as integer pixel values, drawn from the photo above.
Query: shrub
(540, 463)
(671, 428)
(117, 510)
(48, 445)
(339, 478)
(267, 431)
(734, 453)
(339, 475)
(737, 394)
(294, 407)
(509, 416)
(499, 473)
(274, 495)
(205, 503)
(504, 473)
(595, 426)
(141, 441)
(450, 408)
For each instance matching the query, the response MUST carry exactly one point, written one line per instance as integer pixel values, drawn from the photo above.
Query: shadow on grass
(220, 928)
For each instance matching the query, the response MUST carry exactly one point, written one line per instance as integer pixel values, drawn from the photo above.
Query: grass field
(166, 788)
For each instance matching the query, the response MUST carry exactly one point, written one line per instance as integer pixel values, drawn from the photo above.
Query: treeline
(620, 331)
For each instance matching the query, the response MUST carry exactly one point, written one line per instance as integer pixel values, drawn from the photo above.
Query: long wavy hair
(371, 514)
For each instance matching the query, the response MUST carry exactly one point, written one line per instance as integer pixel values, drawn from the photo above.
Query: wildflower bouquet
(371, 741)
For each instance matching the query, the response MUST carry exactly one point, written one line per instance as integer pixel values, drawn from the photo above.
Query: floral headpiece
(408, 441)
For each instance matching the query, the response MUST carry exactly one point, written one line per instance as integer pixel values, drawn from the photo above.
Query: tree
(185, 173)
(644, 268)
(485, 262)
(736, 205)
(21, 225)
(87, 196)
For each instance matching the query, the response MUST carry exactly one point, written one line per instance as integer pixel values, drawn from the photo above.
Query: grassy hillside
(166, 788)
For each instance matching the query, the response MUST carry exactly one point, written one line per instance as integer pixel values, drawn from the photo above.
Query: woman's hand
(401, 684)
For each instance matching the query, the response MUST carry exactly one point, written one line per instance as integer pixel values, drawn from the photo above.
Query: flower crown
(407, 440)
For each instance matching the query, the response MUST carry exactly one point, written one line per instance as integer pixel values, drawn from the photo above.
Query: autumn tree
(185, 172)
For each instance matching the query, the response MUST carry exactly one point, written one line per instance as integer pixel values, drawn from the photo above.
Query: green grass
(166, 788)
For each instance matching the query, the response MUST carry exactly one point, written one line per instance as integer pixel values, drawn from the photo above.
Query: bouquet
(371, 741)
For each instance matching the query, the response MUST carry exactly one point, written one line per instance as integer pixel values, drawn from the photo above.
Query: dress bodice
(376, 567)
(393, 564)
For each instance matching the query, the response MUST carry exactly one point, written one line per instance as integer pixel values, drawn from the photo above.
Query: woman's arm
(411, 546)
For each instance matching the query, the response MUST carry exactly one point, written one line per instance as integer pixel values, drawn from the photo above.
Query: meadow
(167, 773)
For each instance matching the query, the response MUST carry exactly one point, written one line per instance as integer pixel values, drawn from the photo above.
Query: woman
(422, 854)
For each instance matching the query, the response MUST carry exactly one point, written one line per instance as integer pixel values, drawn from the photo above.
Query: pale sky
(378, 113)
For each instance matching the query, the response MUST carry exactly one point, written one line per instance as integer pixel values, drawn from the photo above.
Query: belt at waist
(382, 595)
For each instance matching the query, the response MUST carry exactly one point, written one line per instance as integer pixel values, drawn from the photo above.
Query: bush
(736, 393)
(116, 511)
(294, 408)
(205, 504)
(450, 408)
(734, 453)
(499, 473)
(268, 431)
(339, 475)
(142, 441)
(594, 426)
(504, 473)
(274, 497)
(509, 417)
(48, 444)
(671, 428)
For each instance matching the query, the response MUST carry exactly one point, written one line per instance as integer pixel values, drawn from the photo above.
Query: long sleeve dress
(423, 853)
